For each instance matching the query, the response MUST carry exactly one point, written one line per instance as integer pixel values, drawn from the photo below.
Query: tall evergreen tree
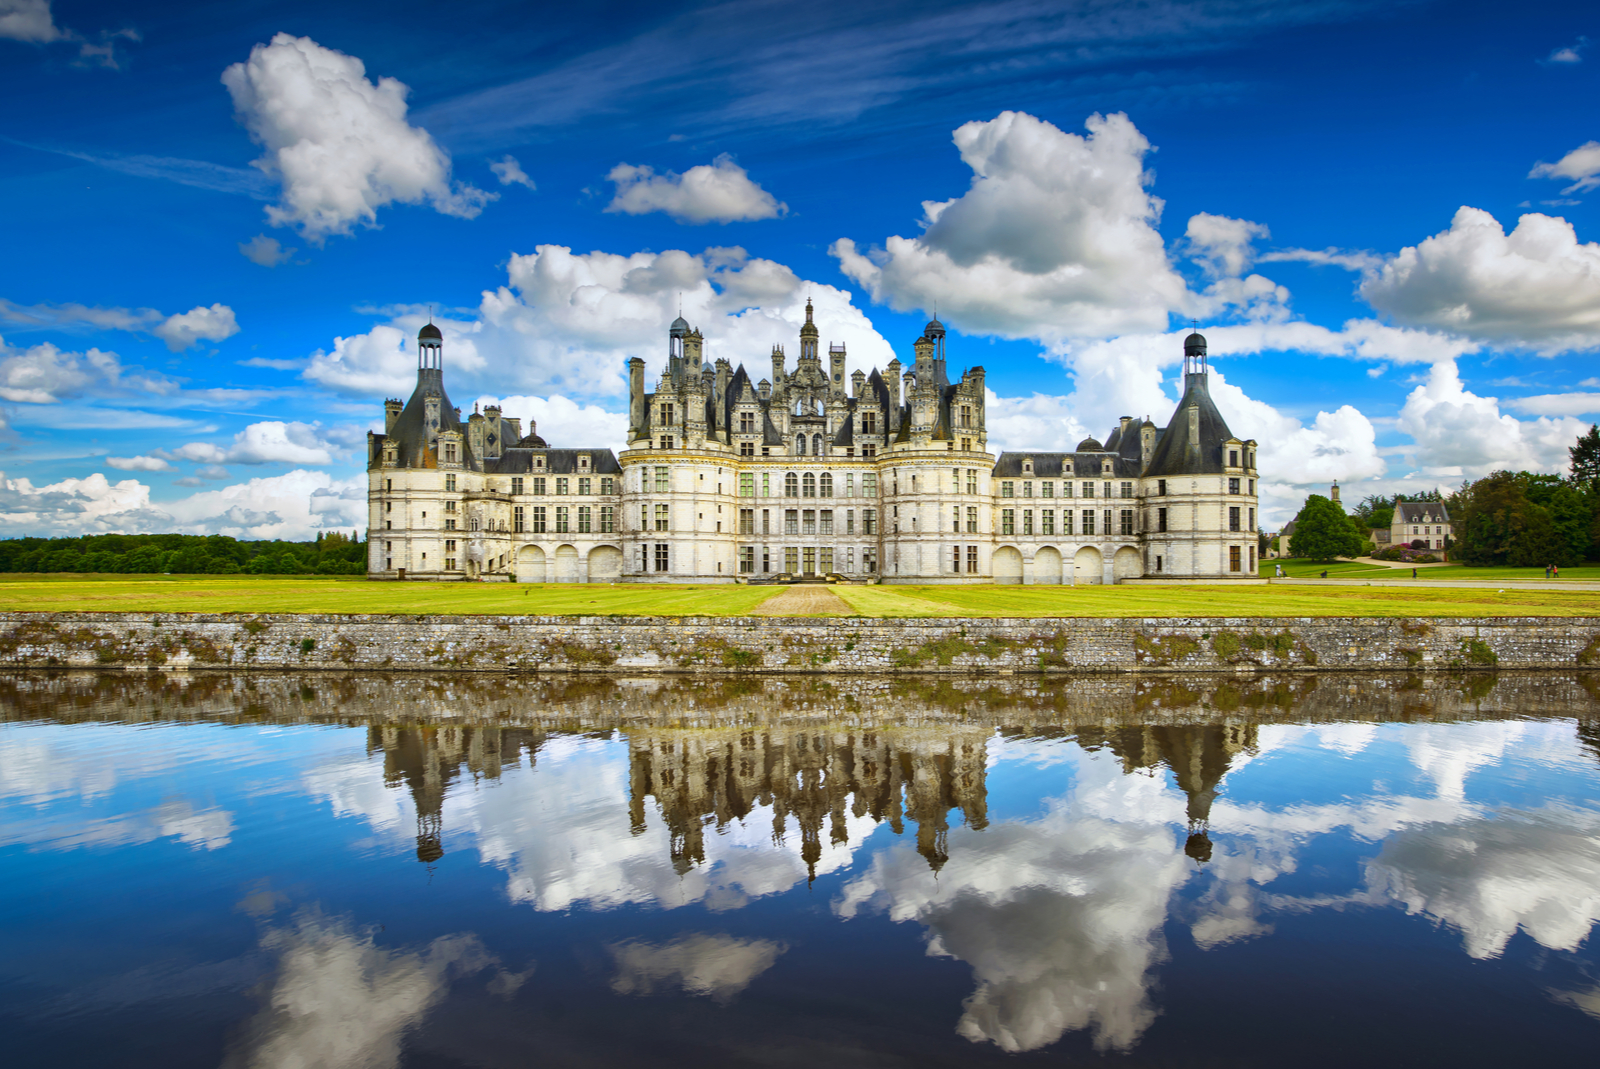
(1586, 460)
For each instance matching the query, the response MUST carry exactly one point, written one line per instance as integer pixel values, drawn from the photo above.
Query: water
(319, 871)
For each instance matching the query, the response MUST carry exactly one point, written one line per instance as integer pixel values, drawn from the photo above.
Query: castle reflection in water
(927, 774)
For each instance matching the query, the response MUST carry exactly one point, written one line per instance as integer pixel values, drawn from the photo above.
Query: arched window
(816, 445)
(791, 485)
(808, 485)
(799, 445)
(826, 488)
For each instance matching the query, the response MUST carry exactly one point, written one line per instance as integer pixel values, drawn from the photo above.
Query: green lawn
(1211, 601)
(156, 593)
(1345, 569)
(291, 593)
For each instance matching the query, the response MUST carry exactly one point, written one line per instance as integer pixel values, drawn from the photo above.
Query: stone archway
(567, 564)
(1126, 564)
(1047, 565)
(530, 565)
(1007, 565)
(605, 564)
(1088, 567)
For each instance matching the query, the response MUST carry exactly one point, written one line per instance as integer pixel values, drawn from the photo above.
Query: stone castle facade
(885, 477)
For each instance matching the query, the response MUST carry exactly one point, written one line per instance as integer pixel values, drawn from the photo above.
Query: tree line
(333, 553)
(1518, 518)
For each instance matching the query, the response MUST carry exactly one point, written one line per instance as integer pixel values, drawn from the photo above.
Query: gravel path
(804, 601)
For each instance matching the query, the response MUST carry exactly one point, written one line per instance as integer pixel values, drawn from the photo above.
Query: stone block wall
(735, 645)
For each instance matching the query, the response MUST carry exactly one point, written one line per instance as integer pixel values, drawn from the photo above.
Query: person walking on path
(1413, 573)
(1547, 568)
(1555, 570)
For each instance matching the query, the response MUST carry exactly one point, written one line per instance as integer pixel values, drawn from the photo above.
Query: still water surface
(292, 873)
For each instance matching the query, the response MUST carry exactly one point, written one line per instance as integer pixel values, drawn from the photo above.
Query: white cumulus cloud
(198, 324)
(1459, 434)
(567, 323)
(1223, 247)
(268, 252)
(270, 442)
(339, 143)
(139, 463)
(718, 192)
(1535, 287)
(509, 171)
(28, 20)
(1055, 238)
(1582, 165)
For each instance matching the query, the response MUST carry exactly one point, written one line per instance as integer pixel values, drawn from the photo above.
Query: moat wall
(735, 645)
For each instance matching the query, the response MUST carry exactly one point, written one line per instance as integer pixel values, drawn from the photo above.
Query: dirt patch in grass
(804, 601)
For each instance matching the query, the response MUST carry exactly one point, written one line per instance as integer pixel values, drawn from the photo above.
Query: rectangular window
(825, 560)
(826, 519)
(585, 520)
(663, 481)
(516, 486)
(538, 486)
(561, 487)
(1252, 519)
(766, 521)
(791, 521)
(663, 517)
(607, 485)
(608, 519)
(1233, 519)
(1047, 489)
(1008, 521)
(869, 559)
(1161, 487)
(449, 525)
(747, 521)
(1027, 521)
(449, 545)
(1252, 558)
(869, 450)
(1233, 486)
(1161, 520)
(450, 452)
(518, 520)
(1066, 489)
(766, 484)
(1008, 488)
(1125, 522)
(450, 484)
(1088, 489)
(1233, 458)
(810, 560)
(449, 506)
(661, 557)
(766, 559)
(644, 518)
(1234, 562)
(666, 415)
(808, 522)
(449, 564)
(869, 423)
(1027, 488)
(1107, 491)
(1047, 521)
(747, 423)
(791, 559)
(1066, 521)
(538, 519)
(1127, 489)
(747, 449)
(955, 558)
(972, 480)
(1107, 527)
(747, 484)
(972, 519)
(849, 484)
(869, 484)
(747, 560)
(972, 559)
(583, 487)
(1088, 521)
(869, 522)
(561, 519)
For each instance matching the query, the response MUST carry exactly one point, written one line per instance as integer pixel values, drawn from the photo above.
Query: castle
(885, 478)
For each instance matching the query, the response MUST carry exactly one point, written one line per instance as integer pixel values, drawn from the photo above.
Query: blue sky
(227, 222)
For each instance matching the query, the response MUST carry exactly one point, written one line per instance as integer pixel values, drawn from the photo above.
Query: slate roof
(411, 436)
(1174, 454)
(1414, 511)
(1051, 466)
(519, 461)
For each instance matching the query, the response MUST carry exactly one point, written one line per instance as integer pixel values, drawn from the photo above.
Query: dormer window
(538, 462)
(1027, 467)
(583, 461)
(449, 452)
